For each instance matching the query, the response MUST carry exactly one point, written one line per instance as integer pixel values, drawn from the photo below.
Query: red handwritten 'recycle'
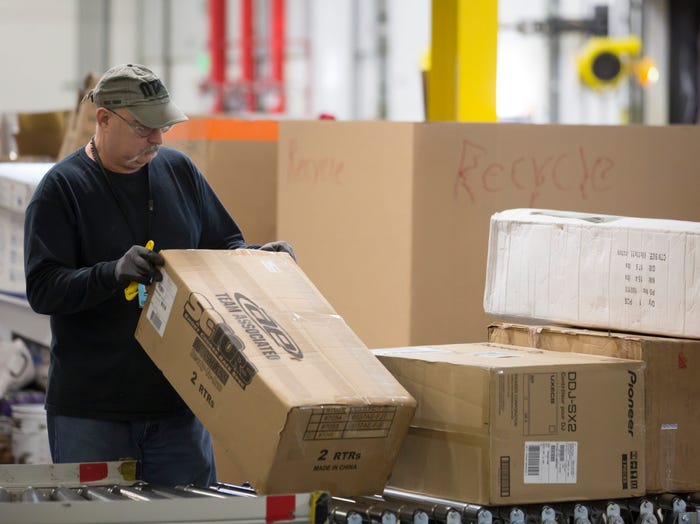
(574, 170)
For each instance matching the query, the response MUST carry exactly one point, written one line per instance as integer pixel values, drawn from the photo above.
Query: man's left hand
(279, 245)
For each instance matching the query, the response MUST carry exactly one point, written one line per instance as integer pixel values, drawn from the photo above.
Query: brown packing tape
(534, 333)
(667, 456)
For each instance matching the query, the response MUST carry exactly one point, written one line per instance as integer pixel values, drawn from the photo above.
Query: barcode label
(550, 462)
(162, 303)
(155, 320)
(532, 461)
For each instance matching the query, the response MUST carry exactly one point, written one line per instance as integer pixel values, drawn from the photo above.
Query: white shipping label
(646, 271)
(550, 462)
(162, 303)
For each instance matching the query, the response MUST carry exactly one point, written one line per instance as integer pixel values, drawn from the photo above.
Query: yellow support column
(462, 78)
(442, 75)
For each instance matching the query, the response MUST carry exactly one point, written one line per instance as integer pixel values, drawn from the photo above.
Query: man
(86, 228)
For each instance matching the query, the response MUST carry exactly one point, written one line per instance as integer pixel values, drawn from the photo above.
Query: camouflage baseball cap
(139, 90)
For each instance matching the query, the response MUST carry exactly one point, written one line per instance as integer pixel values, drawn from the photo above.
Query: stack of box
(635, 284)
(17, 183)
(509, 422)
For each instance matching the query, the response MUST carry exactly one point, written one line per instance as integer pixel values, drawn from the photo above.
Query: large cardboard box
(294, 399)
(499, 424)
(239, 159)
(391, 219)
(612, 272)
(672, 388)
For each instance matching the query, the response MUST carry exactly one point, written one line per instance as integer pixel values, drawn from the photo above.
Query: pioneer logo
(632, 381)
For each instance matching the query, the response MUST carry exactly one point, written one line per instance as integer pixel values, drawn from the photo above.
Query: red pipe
(247, 54)
(217, 50)
(277, 52)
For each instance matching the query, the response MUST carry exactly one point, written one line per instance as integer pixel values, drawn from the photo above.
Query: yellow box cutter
(132, 290)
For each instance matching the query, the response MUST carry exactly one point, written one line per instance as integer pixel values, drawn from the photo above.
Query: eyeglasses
(141, 131)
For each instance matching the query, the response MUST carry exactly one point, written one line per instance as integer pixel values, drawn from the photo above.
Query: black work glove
(139, 265)
(279, 245)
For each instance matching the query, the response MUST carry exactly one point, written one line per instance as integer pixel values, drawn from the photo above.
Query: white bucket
(30, 438)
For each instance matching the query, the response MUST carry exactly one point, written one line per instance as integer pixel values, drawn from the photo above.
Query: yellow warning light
(604, 61)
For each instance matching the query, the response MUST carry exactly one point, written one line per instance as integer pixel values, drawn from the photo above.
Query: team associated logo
(264, 324)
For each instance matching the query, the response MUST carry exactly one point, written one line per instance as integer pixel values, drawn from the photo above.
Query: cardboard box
(672, 387)
(82, 122)
(499, 424)
(40, 135)
(239, 159)
(601, 271)
(18, 180)
(391, 219)
(12, 281)
(294, 399)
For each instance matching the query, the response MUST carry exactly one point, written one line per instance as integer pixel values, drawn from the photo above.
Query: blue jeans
(172, 451)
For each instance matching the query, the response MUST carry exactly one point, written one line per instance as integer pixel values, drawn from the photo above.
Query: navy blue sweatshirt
(77, 226)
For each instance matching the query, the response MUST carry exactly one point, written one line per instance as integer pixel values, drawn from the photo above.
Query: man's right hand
(139, 265)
